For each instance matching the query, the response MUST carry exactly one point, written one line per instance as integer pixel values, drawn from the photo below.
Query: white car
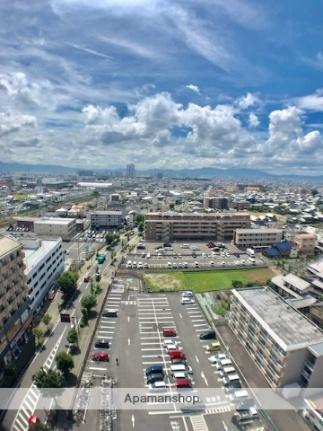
(196, 264)
(169, 264)
(213, 359)
(140, 265)
(146, 265)
(171, 347)
(185, 264)
(186, 301)
(168, 342)
(134, 264)
(129, 264)
(174, 265)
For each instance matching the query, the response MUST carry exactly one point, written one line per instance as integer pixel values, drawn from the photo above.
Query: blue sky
(162, 83)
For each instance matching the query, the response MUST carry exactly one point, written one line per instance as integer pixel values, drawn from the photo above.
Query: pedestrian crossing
(198, 423)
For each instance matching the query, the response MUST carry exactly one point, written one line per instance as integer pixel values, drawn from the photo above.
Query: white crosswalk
(198, 423)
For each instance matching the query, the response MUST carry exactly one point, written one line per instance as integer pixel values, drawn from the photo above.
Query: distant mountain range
(209, 172)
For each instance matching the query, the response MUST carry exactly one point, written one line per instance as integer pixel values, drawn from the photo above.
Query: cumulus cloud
(194, 88)
(247, 101)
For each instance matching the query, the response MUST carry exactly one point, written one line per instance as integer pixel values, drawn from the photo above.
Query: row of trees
(67, 283)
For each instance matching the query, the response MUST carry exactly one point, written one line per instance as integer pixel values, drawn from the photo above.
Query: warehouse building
(257, 237)
(170, 226)
(285, 345)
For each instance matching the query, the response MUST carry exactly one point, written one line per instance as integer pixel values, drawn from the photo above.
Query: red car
(100, 356)
(183, 383)
(169, 332)
(176, 354)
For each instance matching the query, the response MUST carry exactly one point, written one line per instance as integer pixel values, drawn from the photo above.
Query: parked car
(103, 343)
(155, 377)
(153, 369)
(182, 383)
(169, 342)
(100, 357)
(110, 313)
(208, 335)
(169, 332)
(185, 301)
(176, 354)
(213, 347)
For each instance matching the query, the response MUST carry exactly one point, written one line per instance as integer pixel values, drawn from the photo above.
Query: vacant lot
(205, 281)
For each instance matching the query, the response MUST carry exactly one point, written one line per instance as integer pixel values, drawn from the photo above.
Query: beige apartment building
(257, 237)
(285, 345)
(13, 300)
(170, 226)
(305, 243)
(56, 227)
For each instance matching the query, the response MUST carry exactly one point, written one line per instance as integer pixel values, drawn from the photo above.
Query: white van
(240, 394)
(228, 370)
(230, 378)
(177, 368)
(226, 362)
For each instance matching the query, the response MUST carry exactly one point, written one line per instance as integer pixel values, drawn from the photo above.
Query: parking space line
(97, 368)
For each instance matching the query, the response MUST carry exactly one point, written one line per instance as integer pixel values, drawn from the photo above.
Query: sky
(163, 83)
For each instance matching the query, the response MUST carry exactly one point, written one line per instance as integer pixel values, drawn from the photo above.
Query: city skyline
(162, 84)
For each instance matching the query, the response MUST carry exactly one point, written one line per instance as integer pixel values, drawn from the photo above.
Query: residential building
(305, 243)
(44, 261)
(290, 286)
(26, 223)
(169, 226)
(257, 237)
(130, 171)
(56, 227)
(216, 202)
(106, 219)
(14, 315)
(285, 345)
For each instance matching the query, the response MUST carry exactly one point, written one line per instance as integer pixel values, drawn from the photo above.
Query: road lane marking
(133, 420)
(197, 359)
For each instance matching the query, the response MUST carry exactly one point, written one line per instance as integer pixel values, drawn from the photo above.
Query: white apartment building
(257, 237)
(106, 219)
(285, 345)
(57, 227)
(44, 261)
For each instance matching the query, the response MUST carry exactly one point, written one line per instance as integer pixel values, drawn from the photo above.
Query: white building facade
(44, 262)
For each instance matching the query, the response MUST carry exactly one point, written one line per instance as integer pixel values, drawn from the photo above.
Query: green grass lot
(206, 281)
(22, 196)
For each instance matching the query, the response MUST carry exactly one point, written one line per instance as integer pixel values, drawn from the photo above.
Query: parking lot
(189, 256)
(136, 338)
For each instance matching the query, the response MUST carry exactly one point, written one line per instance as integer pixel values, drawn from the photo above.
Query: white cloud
(311, 102)
(194, 88)
(11, 123)
(253, 120)
(247, 101)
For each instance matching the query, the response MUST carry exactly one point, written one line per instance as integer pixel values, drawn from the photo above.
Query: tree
(88, 302)
(67, 282)
(39, 335)
(72, 337)
(237, 283)
(47, 319)
(64, 362)
(48, 379)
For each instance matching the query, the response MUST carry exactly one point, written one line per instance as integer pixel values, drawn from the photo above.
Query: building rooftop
(36, 252)
(260, 230)
(56, 220)
(107, 213)
(290, 329)
(7, 245)
(297, 282)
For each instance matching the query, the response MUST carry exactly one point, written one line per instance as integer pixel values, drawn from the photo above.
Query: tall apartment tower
(14, 314)
(131, 171)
